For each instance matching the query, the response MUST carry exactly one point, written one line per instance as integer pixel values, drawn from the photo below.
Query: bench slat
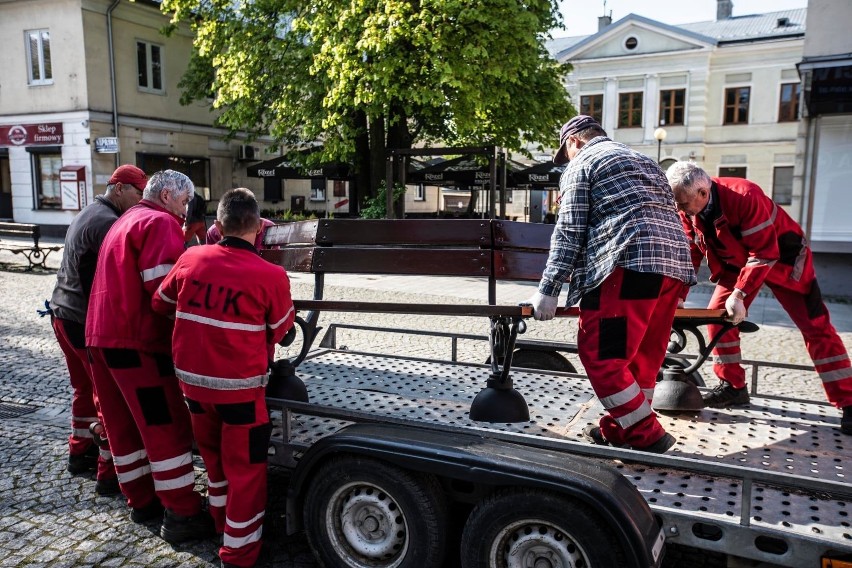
(293, 259)
(519, 265)
(302, 232)
(398, 308)
(445, 232)
(517, 235)
(392, 260)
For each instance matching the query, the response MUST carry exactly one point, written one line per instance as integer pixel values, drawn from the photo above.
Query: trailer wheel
(365, 513)
(528, 527)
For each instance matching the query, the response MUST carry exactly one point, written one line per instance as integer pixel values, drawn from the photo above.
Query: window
(671, 106)
(272, 189)
(736, 105)
(782, 185)
(592, 105)
(631, 43)
(196, 169)
(788, 105)
(629, 110)
(420, 193)
(149, 62)
(317, 189)
(39, 68)
(46, 162)
(733, 171)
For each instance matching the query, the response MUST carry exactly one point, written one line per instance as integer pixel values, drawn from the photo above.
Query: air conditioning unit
(248, 153)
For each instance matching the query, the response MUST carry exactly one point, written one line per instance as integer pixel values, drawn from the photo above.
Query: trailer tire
(530, 527)
(365, 513)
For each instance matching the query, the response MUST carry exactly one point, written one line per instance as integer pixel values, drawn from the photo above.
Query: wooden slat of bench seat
(394, 260)
(694, 316)
(293, 259)
(301, 232)
(517, 235)
(427, 309)
(519, 265)
(428, 232)
(382, 260)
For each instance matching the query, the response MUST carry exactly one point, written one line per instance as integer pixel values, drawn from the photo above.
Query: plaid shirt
(616, 209)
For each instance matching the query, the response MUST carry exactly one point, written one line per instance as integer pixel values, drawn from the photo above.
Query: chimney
(604, 21)
(724, 9)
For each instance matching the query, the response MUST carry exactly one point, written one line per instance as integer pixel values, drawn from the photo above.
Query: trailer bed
(768, 480)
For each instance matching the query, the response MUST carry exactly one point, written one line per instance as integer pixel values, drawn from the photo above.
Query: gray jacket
(83, 240)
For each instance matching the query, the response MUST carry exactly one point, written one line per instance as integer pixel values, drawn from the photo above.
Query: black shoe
(661, 446)
(107, 487)
(846, 421)
(151, 511)
(177, 529)
(594, 435)
(85, 462)
(725, 395)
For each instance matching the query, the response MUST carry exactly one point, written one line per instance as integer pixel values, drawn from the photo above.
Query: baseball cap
(570, 128)
(130, 175)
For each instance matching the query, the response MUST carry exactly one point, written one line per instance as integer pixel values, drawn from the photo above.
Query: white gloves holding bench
(544, 307)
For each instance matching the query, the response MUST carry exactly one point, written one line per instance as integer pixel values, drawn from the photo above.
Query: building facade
(86, 85)
(824, 150)
(725, 92)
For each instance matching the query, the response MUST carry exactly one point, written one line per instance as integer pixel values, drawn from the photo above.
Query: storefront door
(5, 188)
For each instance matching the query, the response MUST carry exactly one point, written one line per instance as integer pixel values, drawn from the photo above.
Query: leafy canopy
(361, 75)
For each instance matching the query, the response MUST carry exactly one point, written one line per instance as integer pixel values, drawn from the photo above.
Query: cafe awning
(283, 168)
(464, 171)
(545, 174)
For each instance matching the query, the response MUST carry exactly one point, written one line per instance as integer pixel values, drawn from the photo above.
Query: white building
(726, 92)
(824, 151)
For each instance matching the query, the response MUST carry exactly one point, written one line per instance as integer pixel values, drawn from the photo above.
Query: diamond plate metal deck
(788, 437)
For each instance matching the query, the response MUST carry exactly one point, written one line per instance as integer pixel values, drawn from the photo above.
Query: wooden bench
(493, 249)
(35, 254)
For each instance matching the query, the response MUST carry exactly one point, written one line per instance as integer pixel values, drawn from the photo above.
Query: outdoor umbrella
(463, 171)
(546, 174)
(282, 168)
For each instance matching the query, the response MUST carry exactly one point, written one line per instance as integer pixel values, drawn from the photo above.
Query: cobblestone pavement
(50, 518)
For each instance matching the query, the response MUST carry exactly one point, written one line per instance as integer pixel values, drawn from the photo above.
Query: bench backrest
(495, 249)
(23, 230)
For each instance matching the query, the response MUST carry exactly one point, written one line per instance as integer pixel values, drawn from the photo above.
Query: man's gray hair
(177, 182)
(683, 176)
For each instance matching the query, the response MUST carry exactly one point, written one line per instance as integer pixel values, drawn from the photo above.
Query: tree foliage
(360, 76)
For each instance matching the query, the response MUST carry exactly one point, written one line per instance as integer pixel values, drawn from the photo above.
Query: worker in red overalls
(229, 305)
(146, 419)
(68, 306)
(619, 248)
(749, 241)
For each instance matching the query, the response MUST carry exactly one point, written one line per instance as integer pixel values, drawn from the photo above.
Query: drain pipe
(112, 87)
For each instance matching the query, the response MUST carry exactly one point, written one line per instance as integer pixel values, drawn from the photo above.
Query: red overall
(84, 405)
(624, 328)
(144, 413)
(229, 305)
(749, 241)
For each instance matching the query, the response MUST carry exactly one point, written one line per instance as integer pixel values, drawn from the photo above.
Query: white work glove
(735, 307)
(544, 307)
(680, 303)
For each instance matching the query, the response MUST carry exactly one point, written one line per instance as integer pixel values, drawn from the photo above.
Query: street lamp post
(659, 135)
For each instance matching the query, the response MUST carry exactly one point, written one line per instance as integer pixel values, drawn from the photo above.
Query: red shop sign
(44, 134)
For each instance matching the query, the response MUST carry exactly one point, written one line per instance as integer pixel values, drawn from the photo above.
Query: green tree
(360, 76)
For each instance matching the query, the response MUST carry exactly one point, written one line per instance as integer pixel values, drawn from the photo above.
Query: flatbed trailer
(767, 481)
(391, 453)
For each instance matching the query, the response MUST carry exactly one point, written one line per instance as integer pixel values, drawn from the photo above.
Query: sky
(581, 16)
